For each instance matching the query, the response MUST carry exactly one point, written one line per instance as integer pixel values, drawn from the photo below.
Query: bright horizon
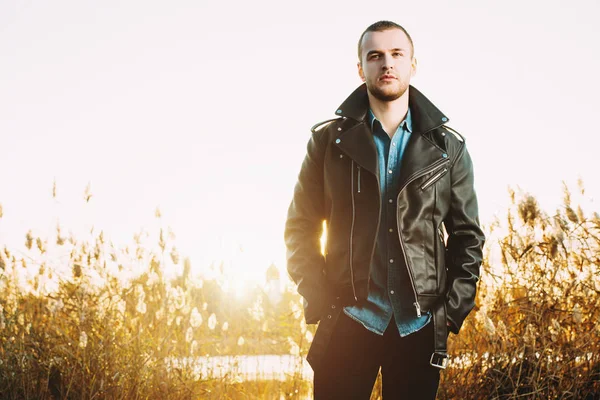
(204, 110)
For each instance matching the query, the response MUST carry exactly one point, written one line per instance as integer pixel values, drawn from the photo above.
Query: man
(394, 186)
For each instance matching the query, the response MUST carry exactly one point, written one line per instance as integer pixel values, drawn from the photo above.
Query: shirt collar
(405, 124)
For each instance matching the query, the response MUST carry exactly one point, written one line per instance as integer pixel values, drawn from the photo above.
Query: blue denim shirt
(390, 290)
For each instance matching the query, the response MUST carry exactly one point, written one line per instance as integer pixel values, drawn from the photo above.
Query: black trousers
(355, 354)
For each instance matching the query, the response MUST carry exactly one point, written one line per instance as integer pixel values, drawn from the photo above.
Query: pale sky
(204, 108)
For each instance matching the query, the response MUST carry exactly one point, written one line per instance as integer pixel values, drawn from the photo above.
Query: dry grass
(107, 325)
(536, 334)
(103, 332)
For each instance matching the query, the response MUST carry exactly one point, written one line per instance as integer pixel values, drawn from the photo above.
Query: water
(245, 367)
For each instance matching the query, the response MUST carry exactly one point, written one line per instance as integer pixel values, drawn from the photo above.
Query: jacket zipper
(358, 178)
(352, 227)
(410, 274)
(418, 307)
(425, 171)
(434, 179)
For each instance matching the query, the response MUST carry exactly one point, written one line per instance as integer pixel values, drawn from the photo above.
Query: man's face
(386, 63)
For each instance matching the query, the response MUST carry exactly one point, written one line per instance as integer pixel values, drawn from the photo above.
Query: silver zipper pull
(418, 307)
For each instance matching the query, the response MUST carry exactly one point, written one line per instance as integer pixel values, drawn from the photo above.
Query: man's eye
(398, 54)
(374, 56)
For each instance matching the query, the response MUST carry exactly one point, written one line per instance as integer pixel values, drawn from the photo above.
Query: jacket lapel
(356, 139)
(357, 142)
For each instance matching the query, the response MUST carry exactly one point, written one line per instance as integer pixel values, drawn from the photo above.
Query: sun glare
(324, 238)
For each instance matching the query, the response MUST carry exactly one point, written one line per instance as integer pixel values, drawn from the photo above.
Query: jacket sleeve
(303, 230)
(465, 243)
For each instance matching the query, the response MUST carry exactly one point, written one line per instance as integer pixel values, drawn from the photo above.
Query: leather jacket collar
(426, 116)
(355, 138)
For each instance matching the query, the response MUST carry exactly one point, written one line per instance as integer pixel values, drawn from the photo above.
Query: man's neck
(389, 113)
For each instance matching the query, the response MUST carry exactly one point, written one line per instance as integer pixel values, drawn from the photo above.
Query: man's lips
(387, 77)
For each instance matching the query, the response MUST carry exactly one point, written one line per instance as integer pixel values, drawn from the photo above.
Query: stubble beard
(386, 95)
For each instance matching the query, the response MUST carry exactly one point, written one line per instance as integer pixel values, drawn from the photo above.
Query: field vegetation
(97, 321)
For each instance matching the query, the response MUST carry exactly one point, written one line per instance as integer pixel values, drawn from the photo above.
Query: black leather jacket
(338, 184)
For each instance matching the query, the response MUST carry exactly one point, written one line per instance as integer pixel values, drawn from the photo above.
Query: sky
(204, 109)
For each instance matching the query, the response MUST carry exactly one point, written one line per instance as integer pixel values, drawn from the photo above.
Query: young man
(394, 185)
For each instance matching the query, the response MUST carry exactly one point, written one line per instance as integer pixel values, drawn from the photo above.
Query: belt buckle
(439, 360)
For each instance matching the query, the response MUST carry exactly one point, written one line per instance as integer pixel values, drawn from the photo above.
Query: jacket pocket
(431, 284)
(435, 177)
(440, 259)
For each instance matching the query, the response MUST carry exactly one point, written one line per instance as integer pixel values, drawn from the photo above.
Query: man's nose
(387, 61)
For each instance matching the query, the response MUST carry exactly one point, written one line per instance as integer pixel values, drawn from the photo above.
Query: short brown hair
(381, 26)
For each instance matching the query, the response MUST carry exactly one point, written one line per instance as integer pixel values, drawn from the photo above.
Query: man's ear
(360, 71)
(413, 67)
